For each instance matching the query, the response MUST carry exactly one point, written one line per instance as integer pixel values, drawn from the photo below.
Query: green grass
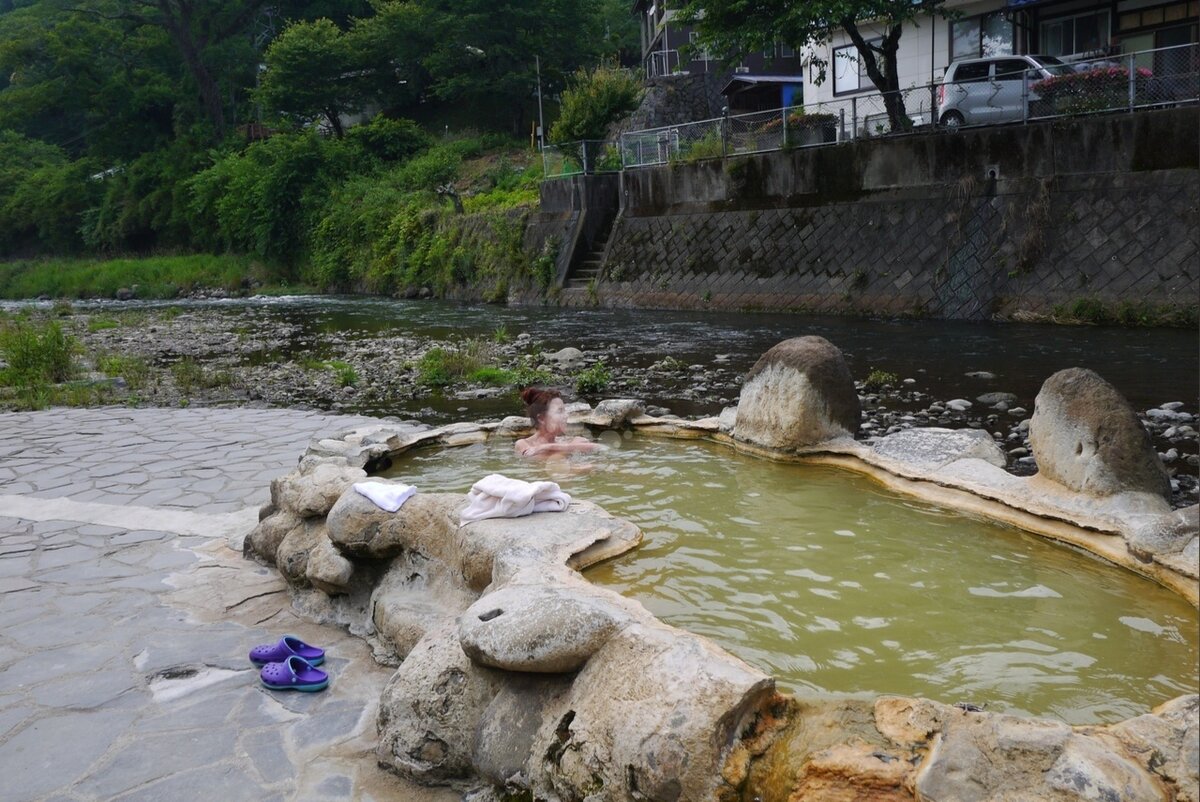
(102, 324)
(495, 377)
(37, 352)
(154, 277)
(190, 375)
(133, 369)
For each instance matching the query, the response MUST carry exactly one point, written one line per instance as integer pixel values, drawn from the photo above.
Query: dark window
(1010, 69)
(975, 71)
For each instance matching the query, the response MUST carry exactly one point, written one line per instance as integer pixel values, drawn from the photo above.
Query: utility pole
(537, 65)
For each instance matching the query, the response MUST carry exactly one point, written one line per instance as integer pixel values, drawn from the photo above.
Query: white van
(979, 91)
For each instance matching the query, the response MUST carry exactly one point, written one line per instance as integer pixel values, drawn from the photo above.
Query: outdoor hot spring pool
(833, 584)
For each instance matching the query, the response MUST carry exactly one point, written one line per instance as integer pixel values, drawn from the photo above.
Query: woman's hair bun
(530, 394)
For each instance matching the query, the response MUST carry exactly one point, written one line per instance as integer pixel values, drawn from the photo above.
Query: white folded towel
(387, 496)
(497, 496)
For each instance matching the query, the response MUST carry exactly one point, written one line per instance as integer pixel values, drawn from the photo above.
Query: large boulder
(312, 489)
(934, 448)
(544, 629)
(431, 709)
(1086, 437)
(799, 393)
(1170, 539)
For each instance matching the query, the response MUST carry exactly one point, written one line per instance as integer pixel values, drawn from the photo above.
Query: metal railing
(662, 62)
(1166, 76)
(584, 157)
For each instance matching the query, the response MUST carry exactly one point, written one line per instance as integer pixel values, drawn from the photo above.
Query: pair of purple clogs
(290, 665)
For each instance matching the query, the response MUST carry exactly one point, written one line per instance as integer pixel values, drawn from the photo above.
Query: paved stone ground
(125, 618)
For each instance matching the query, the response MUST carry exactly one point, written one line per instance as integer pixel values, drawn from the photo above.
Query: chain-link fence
(587, 156)
(1165, 76)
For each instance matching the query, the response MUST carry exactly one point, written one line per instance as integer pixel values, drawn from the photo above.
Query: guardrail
(1165, 76)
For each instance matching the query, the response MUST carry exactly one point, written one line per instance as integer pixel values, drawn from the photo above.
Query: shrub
(441, 366)
(493, 376)
(709, 146)
(345, 373)
(389, 140)
(593, 100)
(593, 379)
(37, 353)
(1092, 90)
(878, 379)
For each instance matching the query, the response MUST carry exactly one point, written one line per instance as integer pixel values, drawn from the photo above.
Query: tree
(735, 26)
(483, 51)
(310, 72)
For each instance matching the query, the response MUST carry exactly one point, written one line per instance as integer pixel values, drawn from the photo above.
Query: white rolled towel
(386, 495)
(497, 496)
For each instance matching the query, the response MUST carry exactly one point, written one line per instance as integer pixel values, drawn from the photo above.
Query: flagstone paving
(126, 612)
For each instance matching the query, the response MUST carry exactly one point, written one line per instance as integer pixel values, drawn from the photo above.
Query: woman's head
(538, 402)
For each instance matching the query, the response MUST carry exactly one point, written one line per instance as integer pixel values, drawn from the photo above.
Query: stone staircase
(590, 263)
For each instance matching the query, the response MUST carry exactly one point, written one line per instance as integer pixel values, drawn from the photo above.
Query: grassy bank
(147, 277)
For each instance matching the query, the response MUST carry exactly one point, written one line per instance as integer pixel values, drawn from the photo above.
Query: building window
(849, 72)
(1155, 16)
(699, 52)
(1068, 36)
(985, 35)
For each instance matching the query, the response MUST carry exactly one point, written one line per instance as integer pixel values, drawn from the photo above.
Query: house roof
(740, 82)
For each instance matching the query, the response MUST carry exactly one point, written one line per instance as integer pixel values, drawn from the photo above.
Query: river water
(1149, 366)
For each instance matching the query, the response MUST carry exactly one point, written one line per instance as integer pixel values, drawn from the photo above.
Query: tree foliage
(594, 99)
(735, 26)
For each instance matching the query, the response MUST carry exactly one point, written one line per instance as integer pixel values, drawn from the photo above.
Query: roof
(754, 80)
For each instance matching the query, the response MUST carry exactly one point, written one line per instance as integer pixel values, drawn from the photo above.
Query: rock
(612, 413)
(515, 426)
(980, 374)
(431, 709)
(565, 358)
(652, 715)
(1166, 534)
(327, 569)
(727, 420)
(1173, 406)
(1086, 437)
(292, 556)
(416, 594)
(542, 629)
(124, 294)
(425, 523)
(993, 757)
(798, 394)
(959, 404)
(312, 491)
(932, 448)
(1167, 743)
(264, 540)
(1016, 412)
(996, 398)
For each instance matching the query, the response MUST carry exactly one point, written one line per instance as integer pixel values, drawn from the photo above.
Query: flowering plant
(1093, 90)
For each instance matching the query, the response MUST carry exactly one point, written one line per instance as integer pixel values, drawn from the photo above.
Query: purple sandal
(288, 646)
(293, 674)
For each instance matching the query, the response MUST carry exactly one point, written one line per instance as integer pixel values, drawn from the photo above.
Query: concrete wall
(1000, 222)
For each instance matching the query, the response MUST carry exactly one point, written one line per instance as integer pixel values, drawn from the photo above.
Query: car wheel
(952, 120)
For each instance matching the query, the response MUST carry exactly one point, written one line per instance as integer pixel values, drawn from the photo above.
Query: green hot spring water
(833, 584)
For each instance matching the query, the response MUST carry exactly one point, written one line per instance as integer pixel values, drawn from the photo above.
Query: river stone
(313, 492)
(425, 522)
(1086, 437)
(327, 569)
(650, 716)
(431, 709)
(933, 448)
(264, 540)
(798, 394)
(541, 628)
(294, 550)
(982, 756)
(613, 413)
(996, 398)
(515, 426)
(566, 358)
(727, 420)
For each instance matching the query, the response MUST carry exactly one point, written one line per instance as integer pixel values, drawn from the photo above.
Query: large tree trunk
(178, 25)
(886, 80)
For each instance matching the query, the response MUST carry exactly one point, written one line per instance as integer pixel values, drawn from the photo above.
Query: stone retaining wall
(1009, 222)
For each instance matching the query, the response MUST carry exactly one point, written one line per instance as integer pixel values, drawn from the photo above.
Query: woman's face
(554, 420)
